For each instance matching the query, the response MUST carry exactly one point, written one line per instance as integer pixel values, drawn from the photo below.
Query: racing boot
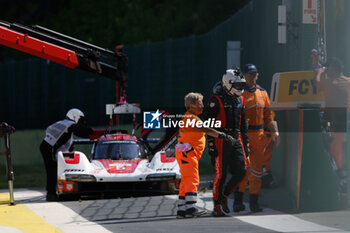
(253, 203)
(238, 202)
(217, 212)
(224, 206)
(181, 207)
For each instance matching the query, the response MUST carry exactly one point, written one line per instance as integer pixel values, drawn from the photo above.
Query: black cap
(250, 68)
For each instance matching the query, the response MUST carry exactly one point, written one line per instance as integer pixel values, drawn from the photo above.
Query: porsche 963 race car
(121, 163)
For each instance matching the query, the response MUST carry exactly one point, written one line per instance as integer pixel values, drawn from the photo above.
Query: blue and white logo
(151, 120)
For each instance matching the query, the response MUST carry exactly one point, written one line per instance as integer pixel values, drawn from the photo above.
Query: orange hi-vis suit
(188, 151)
(258, 115)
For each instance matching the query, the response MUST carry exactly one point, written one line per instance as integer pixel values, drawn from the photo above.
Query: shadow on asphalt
(130, 209)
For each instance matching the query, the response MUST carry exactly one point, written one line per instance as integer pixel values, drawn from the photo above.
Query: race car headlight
(80, 177)
(164, 176)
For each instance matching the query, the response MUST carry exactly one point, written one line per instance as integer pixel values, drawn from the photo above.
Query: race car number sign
(295, 90)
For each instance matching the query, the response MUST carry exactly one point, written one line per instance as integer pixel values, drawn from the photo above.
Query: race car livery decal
(74, 170)
(74, 160)
(123, 166)
(165, 159)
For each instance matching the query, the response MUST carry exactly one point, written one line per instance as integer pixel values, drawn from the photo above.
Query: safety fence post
(9, 168)
(5, 131)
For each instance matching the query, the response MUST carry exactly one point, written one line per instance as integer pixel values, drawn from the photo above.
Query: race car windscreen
(119, 150)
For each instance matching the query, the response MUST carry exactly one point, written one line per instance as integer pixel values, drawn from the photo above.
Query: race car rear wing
(68, 51)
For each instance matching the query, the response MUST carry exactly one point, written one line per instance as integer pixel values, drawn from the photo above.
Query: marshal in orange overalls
(258, 115)
(188, 151)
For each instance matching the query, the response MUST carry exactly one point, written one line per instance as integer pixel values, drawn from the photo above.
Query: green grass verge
(25, 176)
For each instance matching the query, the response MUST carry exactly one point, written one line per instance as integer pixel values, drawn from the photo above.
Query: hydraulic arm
(65, 50)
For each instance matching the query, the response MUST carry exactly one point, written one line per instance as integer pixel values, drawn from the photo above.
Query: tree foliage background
(110, 22)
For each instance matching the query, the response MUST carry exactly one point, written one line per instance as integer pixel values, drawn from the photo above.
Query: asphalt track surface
(149, 214)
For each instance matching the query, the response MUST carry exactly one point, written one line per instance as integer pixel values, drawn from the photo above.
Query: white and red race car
(118, 163)
(122, 163)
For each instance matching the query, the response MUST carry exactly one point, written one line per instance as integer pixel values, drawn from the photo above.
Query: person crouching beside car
(191, 143)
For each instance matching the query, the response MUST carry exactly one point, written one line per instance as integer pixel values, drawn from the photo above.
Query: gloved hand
(246, 150)
(213, 152)
(276, 138)
(228, 138)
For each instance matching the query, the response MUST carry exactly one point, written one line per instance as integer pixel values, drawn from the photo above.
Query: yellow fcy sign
(295, 89)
